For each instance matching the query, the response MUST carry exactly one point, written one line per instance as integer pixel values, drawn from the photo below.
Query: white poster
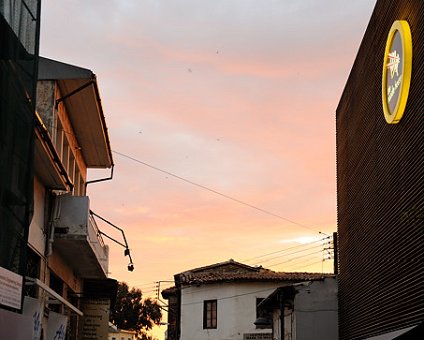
(10, 288)
(15, 326)
(34, 308)
(56, 326)
(96, 319)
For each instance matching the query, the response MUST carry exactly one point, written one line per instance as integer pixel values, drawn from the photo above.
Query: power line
(232, 296)
(292, 253)
(294, 258)
(217, 192)
(284, 250)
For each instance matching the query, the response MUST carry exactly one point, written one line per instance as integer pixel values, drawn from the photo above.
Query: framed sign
(397, 68)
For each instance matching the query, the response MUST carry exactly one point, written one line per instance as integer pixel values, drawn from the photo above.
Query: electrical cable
(232, 296)
(218, 193)
(292, 253)
(294, 258)
(279, 251)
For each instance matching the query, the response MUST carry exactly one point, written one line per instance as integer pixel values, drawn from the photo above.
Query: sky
(221, 116)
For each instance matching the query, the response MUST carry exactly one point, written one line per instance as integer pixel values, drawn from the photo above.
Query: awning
(80, 93)
(53, 294)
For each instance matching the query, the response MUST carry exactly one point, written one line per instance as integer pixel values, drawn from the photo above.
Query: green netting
(19, 35)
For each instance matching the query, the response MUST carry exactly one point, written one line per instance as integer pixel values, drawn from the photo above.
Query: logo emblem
(393, 63)
(396, 71)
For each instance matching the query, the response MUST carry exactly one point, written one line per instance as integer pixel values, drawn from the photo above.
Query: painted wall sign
(10, 288)
(397, 68)
(95, 323)
(257, 336)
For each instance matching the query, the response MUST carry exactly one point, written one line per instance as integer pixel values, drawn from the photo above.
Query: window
(209, 314)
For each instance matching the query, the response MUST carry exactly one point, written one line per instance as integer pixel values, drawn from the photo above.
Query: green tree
(132, 312)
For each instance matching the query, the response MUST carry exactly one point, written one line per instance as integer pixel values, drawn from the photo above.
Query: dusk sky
(238, 96)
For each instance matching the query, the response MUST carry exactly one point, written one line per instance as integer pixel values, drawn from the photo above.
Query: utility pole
(336, 257)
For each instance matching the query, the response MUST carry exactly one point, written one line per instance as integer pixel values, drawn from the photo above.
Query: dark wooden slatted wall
(380, 183)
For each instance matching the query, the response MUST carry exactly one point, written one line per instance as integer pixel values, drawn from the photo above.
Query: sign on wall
(34, 308)
(257, 336)
(397, 68)
(10, 288)
(95, 323)
(56, 326)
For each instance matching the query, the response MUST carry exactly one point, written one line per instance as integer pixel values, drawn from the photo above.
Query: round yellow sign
(397, 68)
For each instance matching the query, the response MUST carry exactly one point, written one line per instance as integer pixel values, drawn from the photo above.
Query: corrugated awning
(80, 93)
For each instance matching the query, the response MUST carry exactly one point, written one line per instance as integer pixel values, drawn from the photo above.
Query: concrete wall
(316, 311)
(236, 307)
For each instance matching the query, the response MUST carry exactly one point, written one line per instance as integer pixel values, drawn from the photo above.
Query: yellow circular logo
(397, 68)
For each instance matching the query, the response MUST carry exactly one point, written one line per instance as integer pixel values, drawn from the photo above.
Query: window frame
(210, 314)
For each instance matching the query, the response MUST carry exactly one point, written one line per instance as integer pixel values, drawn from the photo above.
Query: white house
(219, 302)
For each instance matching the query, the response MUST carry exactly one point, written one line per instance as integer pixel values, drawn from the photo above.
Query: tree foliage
(132, 312)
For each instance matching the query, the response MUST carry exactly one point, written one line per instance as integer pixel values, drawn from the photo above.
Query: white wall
(236, 309)
(315, 309)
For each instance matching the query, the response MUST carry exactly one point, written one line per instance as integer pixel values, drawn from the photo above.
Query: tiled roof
(235, 271)
(262, 275)
(168, 292)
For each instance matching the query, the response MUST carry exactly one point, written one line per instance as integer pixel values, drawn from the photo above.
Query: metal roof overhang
(47, 163)
(80, 94)
(45, 167)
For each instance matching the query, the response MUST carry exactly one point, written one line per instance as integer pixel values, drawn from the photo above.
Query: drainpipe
(101, 179)
(54, 217)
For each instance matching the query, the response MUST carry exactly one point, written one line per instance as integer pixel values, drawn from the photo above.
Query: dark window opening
(264, 315)
(33, 271)
(57, 285)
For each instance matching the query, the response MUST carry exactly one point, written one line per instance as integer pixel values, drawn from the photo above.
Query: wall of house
(236, 309)
(316, 311)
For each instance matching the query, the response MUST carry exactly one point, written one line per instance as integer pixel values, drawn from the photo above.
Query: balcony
(77, 238)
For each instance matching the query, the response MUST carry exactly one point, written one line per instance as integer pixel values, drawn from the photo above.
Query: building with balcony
(19, 41)
(67, 264)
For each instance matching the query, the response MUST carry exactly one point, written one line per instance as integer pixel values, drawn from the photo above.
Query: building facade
(67, 262)
(220, 301)
(304, 311)
(380, 177)
(19, 41)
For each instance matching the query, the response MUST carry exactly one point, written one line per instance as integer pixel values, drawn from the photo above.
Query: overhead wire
(288, 255)
(283, 250)
(217, 192)
(295, 258)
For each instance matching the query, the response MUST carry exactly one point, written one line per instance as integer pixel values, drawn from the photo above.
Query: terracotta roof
(235, 271)
(166, 293)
